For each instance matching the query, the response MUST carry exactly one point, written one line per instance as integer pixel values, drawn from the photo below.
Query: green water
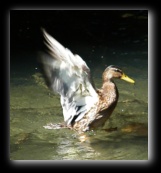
(124, 137)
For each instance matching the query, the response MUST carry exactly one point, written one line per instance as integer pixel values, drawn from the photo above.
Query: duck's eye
(116, 70)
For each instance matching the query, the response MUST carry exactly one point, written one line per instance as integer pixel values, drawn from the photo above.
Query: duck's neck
(109, 92)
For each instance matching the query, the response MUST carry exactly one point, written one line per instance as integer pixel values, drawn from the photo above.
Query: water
(33, 105)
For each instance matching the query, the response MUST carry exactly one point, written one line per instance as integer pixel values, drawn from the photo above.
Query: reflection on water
(103, 38)
(124, 137)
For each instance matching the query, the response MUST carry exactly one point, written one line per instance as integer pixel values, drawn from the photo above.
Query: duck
(84, 106)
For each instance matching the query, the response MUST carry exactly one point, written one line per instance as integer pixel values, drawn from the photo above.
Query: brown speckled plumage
(84, 106)
(108, 97)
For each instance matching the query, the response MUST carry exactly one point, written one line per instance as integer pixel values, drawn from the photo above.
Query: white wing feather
(69, 75)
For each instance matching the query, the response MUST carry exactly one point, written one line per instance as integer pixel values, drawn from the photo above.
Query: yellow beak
(126, 78)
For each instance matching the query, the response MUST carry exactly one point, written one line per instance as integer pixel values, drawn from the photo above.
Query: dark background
(125, 30)
(94, 28)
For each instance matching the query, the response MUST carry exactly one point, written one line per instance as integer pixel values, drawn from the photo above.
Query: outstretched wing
(68, 75)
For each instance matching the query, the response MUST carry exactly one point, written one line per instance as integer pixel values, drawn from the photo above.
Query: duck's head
(115, 72)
